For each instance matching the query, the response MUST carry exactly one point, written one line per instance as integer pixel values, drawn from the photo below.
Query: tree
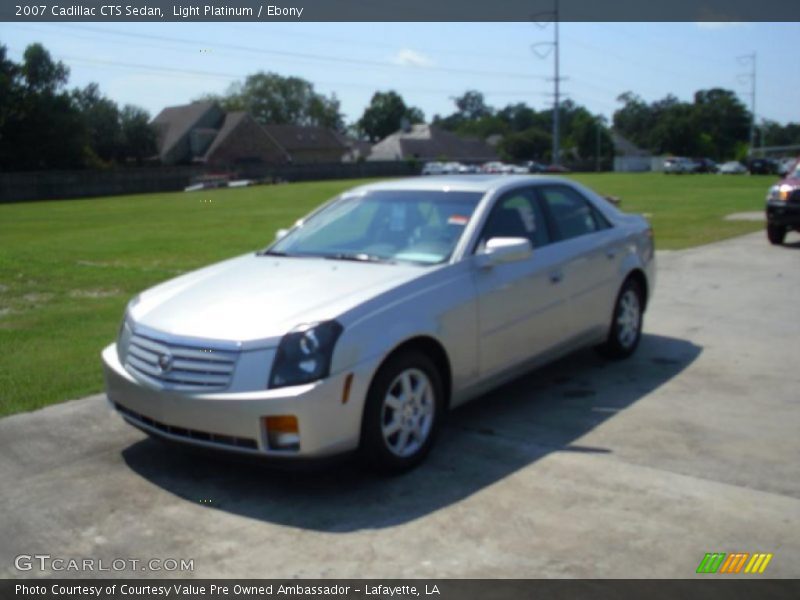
(531, 144)
(722, 119)
(715, 124)
(587, 133)
(138, 137)
(385, 114)
(41, 73)
(472, 106)
(775, 134)
(519, 117)
(471, 109)
(274, 99)
(102, 122)
(634, 120)
(41, 127)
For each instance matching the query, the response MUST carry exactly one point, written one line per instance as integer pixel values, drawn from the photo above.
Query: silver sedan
(388, 305)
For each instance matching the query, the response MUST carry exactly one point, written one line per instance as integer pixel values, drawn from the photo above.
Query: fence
(49, 185)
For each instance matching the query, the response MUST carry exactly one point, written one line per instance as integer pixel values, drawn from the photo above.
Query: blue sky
(159, 64)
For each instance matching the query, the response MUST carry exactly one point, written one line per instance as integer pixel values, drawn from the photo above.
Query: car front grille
(179, 367)
(190, 434)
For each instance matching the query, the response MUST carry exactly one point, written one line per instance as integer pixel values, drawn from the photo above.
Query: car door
(518, 301)
(591, 252)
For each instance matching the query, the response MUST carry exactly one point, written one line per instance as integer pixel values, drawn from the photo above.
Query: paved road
(582, 469)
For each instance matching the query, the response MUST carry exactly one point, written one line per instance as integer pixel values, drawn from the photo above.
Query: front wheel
(776, 234)
(402, 413)
(626, 322)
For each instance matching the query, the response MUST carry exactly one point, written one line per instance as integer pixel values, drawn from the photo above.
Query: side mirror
(502, 250)
(280, 234)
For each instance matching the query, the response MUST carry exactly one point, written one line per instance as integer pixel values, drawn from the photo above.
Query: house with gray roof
(308, 144)
(427, 143)
(201, 132)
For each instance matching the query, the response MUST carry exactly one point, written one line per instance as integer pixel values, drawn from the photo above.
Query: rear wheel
(402, 413)
(776, 234)
(626, 322)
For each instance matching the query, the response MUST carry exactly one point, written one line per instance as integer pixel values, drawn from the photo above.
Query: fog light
(282, 432)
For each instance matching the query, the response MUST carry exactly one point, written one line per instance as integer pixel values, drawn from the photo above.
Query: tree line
(43, 124)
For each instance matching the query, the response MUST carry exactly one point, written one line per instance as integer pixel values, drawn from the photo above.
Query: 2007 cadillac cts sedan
(382, 309)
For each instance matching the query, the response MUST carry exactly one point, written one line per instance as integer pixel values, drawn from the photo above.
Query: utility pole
(554, 47)
(751, 60)
(597, 147)
(557, 80)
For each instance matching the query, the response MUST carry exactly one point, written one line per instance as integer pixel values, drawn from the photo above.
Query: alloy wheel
(408, 412)
(628, 319)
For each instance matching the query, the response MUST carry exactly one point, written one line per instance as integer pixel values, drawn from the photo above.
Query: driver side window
(516, 215)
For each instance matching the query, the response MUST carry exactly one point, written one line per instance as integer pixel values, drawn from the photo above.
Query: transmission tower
(557, 79)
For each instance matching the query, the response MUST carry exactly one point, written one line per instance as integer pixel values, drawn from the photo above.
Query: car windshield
(419, 227)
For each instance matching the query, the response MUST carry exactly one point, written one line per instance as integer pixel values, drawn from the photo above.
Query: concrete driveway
(581, 469)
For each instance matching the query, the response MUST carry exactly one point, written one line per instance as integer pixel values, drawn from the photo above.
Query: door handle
(556, 276)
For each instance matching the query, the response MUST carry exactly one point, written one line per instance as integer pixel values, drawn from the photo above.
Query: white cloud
(718, 24)
(411, 58)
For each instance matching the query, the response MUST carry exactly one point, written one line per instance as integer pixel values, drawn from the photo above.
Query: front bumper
(234, 421)
(782, 213)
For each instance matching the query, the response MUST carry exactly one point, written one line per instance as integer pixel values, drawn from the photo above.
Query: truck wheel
(776, 234)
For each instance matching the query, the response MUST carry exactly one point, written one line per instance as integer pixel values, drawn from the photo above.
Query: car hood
(255, 297)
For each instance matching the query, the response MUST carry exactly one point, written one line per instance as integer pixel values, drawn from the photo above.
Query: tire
(625, 331)
(776, 234)
(399, 428)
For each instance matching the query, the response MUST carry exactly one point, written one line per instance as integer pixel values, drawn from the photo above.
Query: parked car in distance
(492, 167)
(535, 167)
(704, 165)
(678, 165)
(786, 166)
(382, 309)
(450, 168)
(762, 166)
(733, 167)
(433, 168)
(783, 206)
(556, 169)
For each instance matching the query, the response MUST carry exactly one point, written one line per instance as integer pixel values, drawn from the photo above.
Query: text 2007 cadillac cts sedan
(392, 303)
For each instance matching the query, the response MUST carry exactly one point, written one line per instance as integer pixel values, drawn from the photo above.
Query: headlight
(125, 331)
(304, 354)
(124, 338)
(779, 193)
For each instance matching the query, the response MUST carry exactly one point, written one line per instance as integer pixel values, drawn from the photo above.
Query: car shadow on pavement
(545, 411)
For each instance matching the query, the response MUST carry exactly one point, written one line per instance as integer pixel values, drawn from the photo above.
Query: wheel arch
(434, 350)
(640, 278)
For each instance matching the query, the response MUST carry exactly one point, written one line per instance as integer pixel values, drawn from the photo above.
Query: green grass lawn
(67, 268)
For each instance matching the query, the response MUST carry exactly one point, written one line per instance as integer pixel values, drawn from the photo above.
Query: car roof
(461, 183)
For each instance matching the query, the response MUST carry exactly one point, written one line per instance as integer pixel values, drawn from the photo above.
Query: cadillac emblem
(165, 362)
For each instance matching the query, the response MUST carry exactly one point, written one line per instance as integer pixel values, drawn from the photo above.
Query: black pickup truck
(783, 206)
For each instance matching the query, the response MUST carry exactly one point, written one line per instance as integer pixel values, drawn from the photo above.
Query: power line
(307, 56)
(232, 77)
